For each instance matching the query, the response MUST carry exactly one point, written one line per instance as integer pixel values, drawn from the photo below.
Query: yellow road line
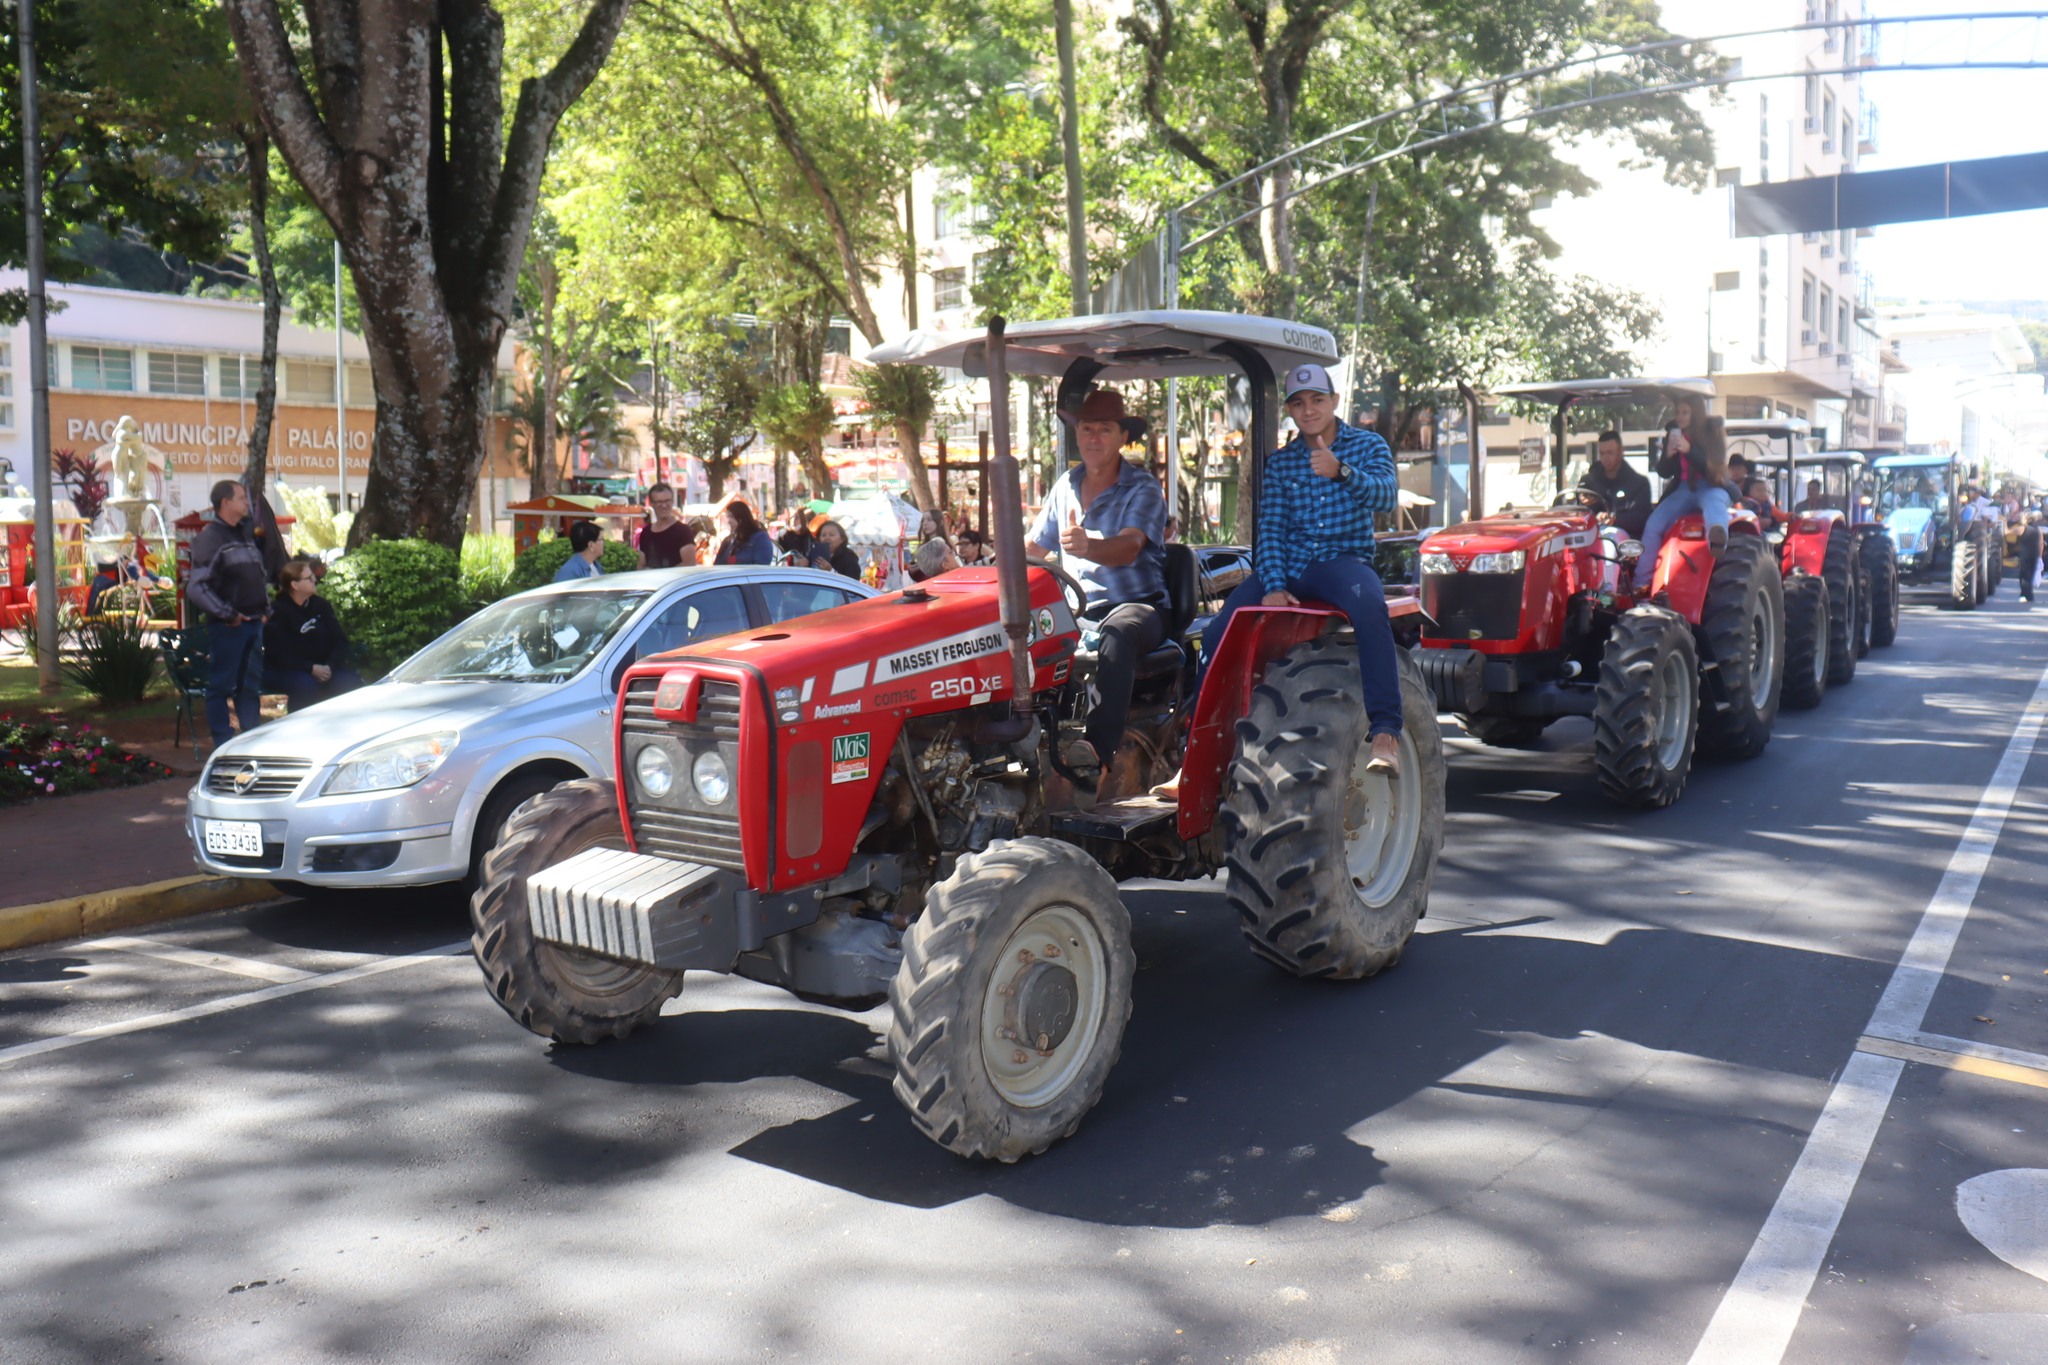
(1992, 1068)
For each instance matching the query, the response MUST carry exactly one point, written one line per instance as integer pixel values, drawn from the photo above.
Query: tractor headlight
(1505, 561)
(1435, 563)
(656, 774)
(712, 780)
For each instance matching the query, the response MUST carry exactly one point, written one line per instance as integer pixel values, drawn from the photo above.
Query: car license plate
(235, 838)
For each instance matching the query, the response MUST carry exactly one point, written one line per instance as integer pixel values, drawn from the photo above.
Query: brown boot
(1386, 756)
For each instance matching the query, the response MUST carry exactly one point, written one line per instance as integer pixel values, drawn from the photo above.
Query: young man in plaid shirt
(1317, 496)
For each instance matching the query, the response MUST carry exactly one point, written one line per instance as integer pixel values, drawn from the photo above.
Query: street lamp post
(340, 391)
(38, 358)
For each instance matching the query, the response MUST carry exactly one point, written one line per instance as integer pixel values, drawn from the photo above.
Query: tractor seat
(1183, 601)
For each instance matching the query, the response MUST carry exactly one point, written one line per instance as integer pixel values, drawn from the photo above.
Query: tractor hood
(1493, 535)
(886, 652)
(1912, 529)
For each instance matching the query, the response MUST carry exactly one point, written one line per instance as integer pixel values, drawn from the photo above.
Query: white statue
(130, 460)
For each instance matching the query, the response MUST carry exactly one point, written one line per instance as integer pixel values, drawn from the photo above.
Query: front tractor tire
(1742, 637)
(1809, 642)
(1881, 572)
(1329, 866)
(1845, 609)
(1646, 709)
(558, 992)
(1962, 576)
(1008, 1011)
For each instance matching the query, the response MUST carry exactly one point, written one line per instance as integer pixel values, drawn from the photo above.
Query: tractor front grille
(1473, 606)
(682, 826)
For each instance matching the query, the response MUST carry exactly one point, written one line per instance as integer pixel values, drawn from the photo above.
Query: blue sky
(1954, 116)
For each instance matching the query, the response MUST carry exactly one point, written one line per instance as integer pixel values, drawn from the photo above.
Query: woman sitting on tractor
(1695, 454)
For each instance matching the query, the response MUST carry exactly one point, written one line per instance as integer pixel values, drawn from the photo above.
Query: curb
(23, 926)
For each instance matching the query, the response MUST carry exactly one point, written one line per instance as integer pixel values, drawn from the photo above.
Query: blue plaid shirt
(1305, 518)
(1133, 500)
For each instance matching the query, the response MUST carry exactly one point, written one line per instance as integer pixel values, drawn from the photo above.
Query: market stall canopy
(1159, 344)
(1606, 392)
(1408, 499)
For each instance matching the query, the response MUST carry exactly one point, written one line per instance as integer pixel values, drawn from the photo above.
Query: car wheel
(490, 824)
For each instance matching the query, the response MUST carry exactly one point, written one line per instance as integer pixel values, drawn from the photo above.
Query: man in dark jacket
(1624, 489)
(227, 588)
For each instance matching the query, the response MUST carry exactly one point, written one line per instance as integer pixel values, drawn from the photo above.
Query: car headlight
(656, 774)
(1505, 561)
(388, 767)
(712, 780)
(1435, 563)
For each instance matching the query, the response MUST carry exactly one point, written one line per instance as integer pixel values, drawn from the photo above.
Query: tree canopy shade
(401, 141)
(135, 134)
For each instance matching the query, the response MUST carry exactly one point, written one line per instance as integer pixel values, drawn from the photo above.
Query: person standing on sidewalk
(228, 587)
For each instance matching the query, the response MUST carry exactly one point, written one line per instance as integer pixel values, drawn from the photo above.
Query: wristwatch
(1343, 472)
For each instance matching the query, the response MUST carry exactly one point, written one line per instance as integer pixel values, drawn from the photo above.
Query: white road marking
(2008, 1212)
(1761, 1308)
(22, 1051)
(192, 957)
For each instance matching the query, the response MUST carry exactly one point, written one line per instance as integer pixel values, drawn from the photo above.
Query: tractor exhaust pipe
(1006, 508)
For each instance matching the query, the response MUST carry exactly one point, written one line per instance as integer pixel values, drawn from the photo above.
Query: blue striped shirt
(1133, 500)
(1305, 518)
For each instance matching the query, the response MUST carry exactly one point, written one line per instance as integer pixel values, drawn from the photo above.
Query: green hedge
(537, 566)
(393, 597)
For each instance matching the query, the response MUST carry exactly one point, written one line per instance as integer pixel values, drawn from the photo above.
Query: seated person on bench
(1317, 496)
(1107, 518)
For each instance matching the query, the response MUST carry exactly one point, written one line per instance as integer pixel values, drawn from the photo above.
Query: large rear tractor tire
(1988, 568)
(1009, 1009)
(1962, 576)
(1742, 637)
(1809, 642)
(1646, 709)
(1881, 570)
(1845, 608)
(1329, 866)
(1504, 732)
(560, 993)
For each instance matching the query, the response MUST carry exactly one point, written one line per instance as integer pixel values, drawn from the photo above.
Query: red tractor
(869, 803)
(1530, 616)
(1839, 565)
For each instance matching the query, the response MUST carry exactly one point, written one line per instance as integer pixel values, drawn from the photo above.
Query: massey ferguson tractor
(1941, 554)
(1840, 570)
(869, 803)
(1531, 615)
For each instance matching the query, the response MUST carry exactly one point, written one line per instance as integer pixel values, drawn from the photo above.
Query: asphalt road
(1623, 1101)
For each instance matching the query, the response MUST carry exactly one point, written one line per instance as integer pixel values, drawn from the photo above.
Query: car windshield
(535, 637)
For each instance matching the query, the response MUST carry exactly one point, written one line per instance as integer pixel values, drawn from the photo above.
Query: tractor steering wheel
(1591, 499)
(1076, 595)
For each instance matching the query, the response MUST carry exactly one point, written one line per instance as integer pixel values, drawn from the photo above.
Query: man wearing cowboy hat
(1107, 518)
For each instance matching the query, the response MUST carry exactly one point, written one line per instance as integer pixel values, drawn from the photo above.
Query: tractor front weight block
(659, 911)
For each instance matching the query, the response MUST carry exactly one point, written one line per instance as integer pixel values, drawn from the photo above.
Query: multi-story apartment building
(1783, 325)
(1971, 385)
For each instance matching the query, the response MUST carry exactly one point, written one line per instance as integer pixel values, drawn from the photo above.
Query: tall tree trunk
(913, 461)
(1070, 155)
(256, 470)
(910, 255)
(543, 481)
(431, 191)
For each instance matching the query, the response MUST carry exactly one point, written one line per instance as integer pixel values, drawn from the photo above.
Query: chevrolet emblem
(245, 778)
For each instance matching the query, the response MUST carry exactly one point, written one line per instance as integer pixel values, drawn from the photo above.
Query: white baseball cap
(1309, 379)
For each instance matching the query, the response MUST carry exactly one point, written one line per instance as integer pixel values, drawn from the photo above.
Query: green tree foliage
(721, 383)
(394, 596)
(138, 112)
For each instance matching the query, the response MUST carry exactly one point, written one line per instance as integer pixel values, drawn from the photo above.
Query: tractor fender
(1806, 542)
(1685, 564)
(1255, 637)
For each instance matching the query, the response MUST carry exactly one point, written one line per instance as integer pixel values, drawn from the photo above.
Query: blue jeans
(1710, 502)
(236, 657)
(1351, 586)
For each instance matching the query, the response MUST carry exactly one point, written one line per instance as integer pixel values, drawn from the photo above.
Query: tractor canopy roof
(1911, 461)
(1159, 344)
(1607, 392)
(1774, 428)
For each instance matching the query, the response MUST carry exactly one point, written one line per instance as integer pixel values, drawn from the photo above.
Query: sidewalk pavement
(82, 865)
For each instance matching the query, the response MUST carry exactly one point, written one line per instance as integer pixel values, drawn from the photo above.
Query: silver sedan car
(409, 781)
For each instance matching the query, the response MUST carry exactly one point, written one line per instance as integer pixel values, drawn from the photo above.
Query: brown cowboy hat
(1103, 405)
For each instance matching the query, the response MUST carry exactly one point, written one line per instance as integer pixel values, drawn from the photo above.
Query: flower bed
(40, 758)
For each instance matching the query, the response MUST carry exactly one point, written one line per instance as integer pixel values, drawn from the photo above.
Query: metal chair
(187, 664)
